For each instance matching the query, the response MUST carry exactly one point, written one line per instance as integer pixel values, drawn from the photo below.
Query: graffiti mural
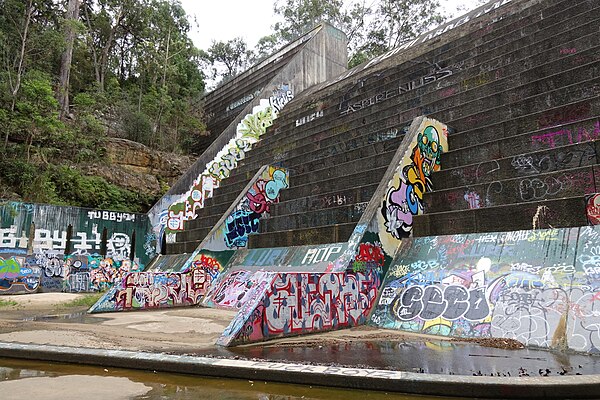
(67, 247)
(298, 303)
(18, 274)
(248, 132)
(235, 289)
(149, 290)
(244, 219)
(538, 287)
(592, 209)
(370, 256)
(94, 273)
(412, 179)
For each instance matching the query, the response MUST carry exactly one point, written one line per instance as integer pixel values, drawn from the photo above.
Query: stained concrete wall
(539, 287)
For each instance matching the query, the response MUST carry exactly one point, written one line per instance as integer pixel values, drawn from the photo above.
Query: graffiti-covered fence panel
(19, 273)
(76, 249)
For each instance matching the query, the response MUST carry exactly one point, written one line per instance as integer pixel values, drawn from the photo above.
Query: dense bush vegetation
(72, 74)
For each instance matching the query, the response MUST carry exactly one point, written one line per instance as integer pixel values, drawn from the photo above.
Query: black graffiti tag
(450, 302)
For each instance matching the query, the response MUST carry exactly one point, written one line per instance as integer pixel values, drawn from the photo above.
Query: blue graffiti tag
(238, 225)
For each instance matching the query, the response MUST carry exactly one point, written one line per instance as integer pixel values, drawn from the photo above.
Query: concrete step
(279, 135)
(202, 222)
(477, 44)
(298, 237)
(499, 100)
(545, 139)
(551, 185)
(334, 184)
(193, 235)
(353, 195)
(521, 165)
(555, 213)
(317, 155)
(485, 68)
(309, 219)
(523, 98)
(355, 166)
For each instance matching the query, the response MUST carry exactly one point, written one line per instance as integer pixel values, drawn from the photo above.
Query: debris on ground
(498, 343)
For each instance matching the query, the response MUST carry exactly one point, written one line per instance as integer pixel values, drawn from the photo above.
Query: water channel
(31, 380)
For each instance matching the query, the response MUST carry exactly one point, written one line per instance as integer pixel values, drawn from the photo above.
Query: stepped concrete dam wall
(449, 187)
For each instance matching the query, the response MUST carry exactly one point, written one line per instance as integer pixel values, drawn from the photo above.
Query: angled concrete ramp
(240, 112)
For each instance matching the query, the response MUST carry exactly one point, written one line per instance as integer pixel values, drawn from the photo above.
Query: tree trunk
(108, 46)
(67, 58)
(20, 64)
(91, 45)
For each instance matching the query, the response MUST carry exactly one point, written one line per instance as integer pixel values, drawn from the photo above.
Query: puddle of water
(184, 387)
(81, 317)
(435, 357)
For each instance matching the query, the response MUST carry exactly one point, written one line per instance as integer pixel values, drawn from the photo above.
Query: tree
(372, 28)
(71, 18)
(299, 16)
(27, 41)
(233, 55)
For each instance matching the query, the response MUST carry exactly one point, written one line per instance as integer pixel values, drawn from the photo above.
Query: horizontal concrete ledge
(583, 387)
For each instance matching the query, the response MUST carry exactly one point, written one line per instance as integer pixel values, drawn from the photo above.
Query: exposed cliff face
(138, 168)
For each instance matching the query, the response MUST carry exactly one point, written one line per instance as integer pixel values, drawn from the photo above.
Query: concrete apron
(587, 386)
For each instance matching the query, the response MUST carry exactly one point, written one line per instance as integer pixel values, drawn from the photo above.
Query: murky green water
(170, 386)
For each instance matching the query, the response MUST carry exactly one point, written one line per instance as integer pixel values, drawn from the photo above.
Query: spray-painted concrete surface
(54, 248)
(539, 287)
(182, 340)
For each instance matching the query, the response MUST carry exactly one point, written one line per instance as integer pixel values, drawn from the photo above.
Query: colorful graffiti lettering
(149, 290)
(369, 256)
(94, 273)
(19, 274)
(255, 204)
(263, 194)
(248, 132)
(538, 287)
(239, 225)
(208, 264)
(230, 292)
(305, 302)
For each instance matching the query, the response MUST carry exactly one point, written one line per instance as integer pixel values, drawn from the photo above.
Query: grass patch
(7, 303)
(88, 300)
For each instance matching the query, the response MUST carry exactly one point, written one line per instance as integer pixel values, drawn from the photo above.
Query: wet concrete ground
(26, 380)
(194, 331)
(433, 357)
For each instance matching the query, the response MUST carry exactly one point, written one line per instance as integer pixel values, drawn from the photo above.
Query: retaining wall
(540, 287)
(76, 249)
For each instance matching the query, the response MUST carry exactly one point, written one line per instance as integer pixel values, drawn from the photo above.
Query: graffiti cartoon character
(425, 159)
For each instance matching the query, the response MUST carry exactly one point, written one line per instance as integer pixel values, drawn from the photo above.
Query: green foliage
(8, 303)
(86, 300)
(134, 74)
(92, 191)
(228, 58)
(18, 174)
(137, 126)
(372, 29)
